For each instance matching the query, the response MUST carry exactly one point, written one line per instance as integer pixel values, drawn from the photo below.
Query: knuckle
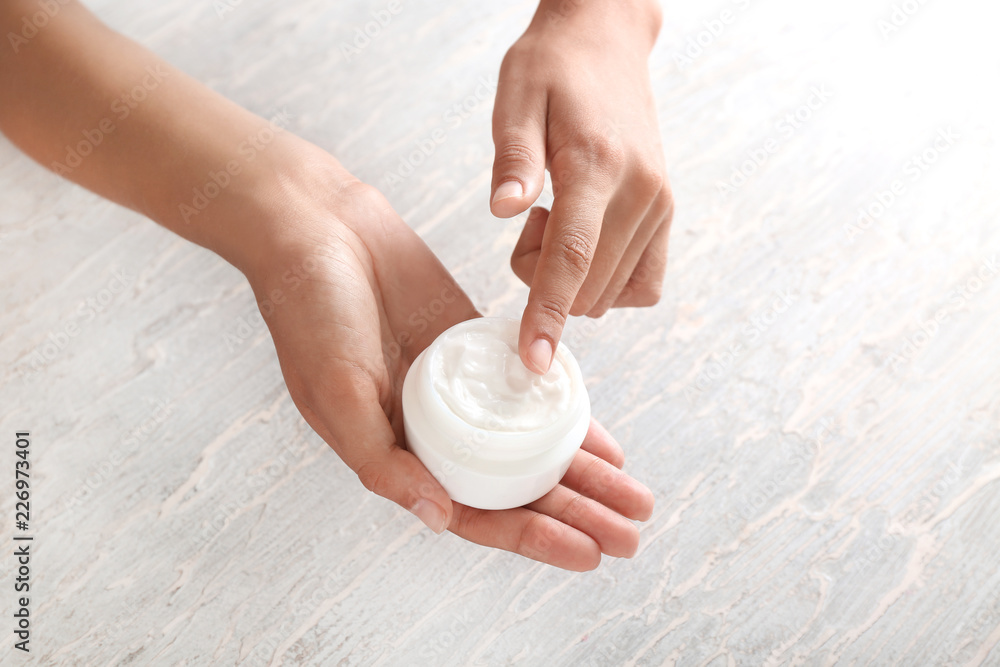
(651, 268)
(608, 300)
(644, 287)
(562, 178)
(656, 22)
(649, 293)
(574, 510)
(666, 198)
(517, 56)
(576, 250)
(610, 152)
(516, 152)
(536, 537)
(587, 298)
(600, 477)
(602, 306)
(600, 150)
(466, 523)
(649, 179)
(364, 195)
(654, 294)
(553, 310)
(372, 477)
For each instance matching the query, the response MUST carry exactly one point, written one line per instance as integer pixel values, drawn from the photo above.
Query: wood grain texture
(826, 463)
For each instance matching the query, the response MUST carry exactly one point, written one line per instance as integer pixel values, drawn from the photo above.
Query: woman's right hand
(351, 297)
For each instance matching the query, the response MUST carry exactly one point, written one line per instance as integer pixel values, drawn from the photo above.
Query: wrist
(255, 211)
(634, 19)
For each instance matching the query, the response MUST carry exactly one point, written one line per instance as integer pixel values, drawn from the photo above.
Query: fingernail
(507, 190)
(430, 513)
(540, 355)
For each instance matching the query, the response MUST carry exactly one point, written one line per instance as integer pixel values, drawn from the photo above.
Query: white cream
(478, 374)
(492, 432)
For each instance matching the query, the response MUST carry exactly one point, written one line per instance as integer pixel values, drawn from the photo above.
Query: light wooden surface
(819, 500)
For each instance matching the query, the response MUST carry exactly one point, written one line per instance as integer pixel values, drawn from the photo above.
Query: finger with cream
(495, 434)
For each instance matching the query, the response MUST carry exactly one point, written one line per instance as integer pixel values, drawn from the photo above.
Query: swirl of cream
(479, 376)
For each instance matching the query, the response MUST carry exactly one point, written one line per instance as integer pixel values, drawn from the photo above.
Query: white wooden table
(824, 452)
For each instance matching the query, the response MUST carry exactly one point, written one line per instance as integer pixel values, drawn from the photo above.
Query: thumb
(519, 143)
(399, 476)
(358, 430)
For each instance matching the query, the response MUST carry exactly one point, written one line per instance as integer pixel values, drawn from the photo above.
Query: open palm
(359, 301)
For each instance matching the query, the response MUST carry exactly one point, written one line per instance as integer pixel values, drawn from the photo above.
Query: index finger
(568, 244)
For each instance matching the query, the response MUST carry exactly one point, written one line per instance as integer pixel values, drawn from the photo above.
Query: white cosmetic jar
(493, 433)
